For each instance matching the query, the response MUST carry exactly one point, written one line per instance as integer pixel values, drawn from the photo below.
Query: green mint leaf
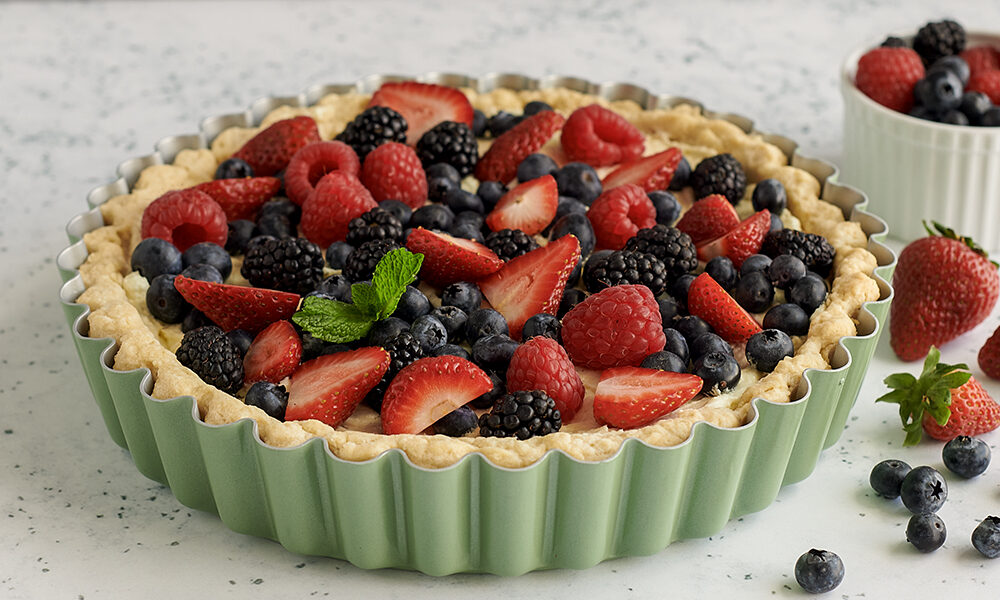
(397, 269)
(332, 321)
(365, 297)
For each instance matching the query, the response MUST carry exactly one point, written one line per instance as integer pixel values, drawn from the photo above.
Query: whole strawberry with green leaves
(944, 286)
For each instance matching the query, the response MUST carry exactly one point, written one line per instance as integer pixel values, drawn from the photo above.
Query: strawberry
(240, 198)
(709, 218)
(330, 387)
(185, 218)
(273, 354)
(944, 286)
(236, 306)
(530, 206)
(989, 356)
(423, 105)
(448, 259)
(630, 397)
(651, 173)
(616, 215)
(616, 327)
(270, 150)
(393, 171)
(988, 83)
(946, 401)
(887, 76)
(532, 283)
(542, 364)
(428, 389)
(708, 300)
(740, 242)
(338, 198)
(600, 137)
(507, 151)
(981, 59)
(312, 162)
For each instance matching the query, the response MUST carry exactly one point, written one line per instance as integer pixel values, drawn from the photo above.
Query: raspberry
(987, 83)
(619, 214)
(312, 162)
(326, 213)
(270, 150)
(618, 326)
(375, 126)
(887, 76)
(527, 137)
(981, 59)
(542, 364)
(185, 218)
(600, 137)
(393, 172)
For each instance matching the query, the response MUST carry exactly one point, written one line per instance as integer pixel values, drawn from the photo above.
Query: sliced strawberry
(273, 355)
(532, 283)
(530, 206)
(740, 242)
(428, 389)
(312, 162)
(629, 397)
(423, 105)
(542, 364)
(236, 306)
(448, 259)
(708, 300)
(527, 137)
(330, 387)
(651, 173)
(270, 150)
(600, 137)
(709, 218)
(240, 198)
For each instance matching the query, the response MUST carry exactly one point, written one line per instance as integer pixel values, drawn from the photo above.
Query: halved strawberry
(651, 173)
(236, 306)
(708, 300)
(530, 206)
(532, 283)
(448, 259)
(507, 151)
(330, 387)
(741, 241)
(629, 397)
(270, 150)
(273, 355)
(423, 105)
(711, 217)
(428, 389)
(240, 198)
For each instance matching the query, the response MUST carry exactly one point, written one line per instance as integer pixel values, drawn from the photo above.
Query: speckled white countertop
(84, 86)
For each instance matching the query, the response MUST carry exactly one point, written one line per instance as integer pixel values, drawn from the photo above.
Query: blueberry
(681, 175)
(313, 346)
(233, 168)
(719, 373)
(498, 390)
(974, 105)
(754, 292)
(991, 118)
(578, 180)
(478, 123)
(668, 208)
(926, 532)
(493, 352)
(664, 361)
(335, 287)
(443, 170)
(384, 330)
(240, 233)
(337, 253)
(776, 224)
(939, 91)
(501, 123)
(679, 288)
(808, 292)
(819, 571)
(769, 194)
(429, 332)
(567, 206)
(270, 398)
(785, 270)
(755, 262)
(155, 256)
(669, 309)
(276, 225)
(542, 324)
(534, 166)
(986, 537)
(887, 477)
(922, 112)
(412, 304)
(924, 490)
(534, 107)
(691, 327)
(954, 63)
(467, 231)
(723, 271)
(483, 322)
(765, 349)
(203, 272)
(398, 209)
(790, 318)
(462, 294)
(490, 193)
(676, 344)
(578, 225)
(468, 217)
(195, 319)
(451, 350)
(453, 318)
(281, 206)
(438, 188)
(241, 338)
(954, 117)
(208, 253)
(709, 342)
(457, 423)
(459, 200)
(570, 298)
(432, 216)
(966, 456)
(164, 301)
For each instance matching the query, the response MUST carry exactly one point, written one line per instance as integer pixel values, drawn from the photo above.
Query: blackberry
(292, 265)
(624, 267)
(403, 350)
(213, 357)
(669, 244)
(522, 415)
(451, 143)
(510, 243)
(810, 248)
(942, 38)
(719, 174)
(361, 263)
(376, 224)
(372, 128)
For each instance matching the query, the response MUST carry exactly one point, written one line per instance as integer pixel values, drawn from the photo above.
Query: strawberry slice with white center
(273, 355)
(423, 105)
(708, 300)
(448, 259)
(651, 173)
(740, 242)
(236, 306)
(530, 206)
(630, 397)
(532, 283)
(330, 387)
(428, 389)
(709, 218)
(240, 198)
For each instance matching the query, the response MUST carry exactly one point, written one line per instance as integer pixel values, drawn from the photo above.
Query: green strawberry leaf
(900, 381)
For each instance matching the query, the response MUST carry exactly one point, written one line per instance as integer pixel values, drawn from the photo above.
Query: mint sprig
(342, 322)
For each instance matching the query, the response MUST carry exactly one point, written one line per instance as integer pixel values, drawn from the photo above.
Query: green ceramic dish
(387, 512)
